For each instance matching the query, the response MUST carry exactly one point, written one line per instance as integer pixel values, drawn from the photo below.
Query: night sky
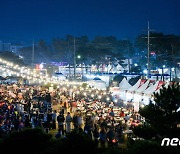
(25, 19)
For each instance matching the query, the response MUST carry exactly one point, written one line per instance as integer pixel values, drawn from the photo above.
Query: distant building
(15, 48)
(10, 47)
(6, 46)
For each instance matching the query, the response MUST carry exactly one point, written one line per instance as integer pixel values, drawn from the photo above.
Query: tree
(27, 141)
(162, 46)
(164, 114)
(44, 48)
(74, 142)
(61, 49)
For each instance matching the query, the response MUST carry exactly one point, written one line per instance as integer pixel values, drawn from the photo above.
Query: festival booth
(148, 93)
(138, 95)
(59, 76)
(97, 83)
(115, 92)
(123, 86)
(131, 91)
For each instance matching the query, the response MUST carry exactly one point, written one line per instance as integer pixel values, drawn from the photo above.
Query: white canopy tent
(153, 88)
(59, 76)
(124, 85)
(142, 88)
(138, 96)
(159, 87)
(97, 83)
(148, 93)
(136, 86)
(131, 90)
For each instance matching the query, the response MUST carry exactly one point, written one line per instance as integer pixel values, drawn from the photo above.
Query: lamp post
(32, 62)
(79, 57)
(74, 58)
(148, 47)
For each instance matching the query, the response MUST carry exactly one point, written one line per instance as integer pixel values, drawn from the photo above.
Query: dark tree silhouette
(164, 114)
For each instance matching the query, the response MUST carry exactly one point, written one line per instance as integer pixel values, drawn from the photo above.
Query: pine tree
(164, 114)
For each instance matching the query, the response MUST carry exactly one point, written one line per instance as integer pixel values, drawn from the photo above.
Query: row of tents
(139, 93)
(141, 86)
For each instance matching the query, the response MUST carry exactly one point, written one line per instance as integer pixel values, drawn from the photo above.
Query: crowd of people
(64, 108)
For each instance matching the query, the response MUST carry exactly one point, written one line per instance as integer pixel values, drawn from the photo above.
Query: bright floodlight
(115, 100)
(99, 97)
(145, 71)
(135, 64)
(41, 66)
(78, 56)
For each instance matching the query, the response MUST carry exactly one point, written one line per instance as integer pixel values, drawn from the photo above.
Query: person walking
(54, 117)
(60, 119)
(80, 120)
(68, 122)
(103, 137)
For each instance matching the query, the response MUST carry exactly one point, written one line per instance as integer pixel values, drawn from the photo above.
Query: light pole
(74, 58)
(129, 67)
(79, 57)
(148, 47)
(32, 62)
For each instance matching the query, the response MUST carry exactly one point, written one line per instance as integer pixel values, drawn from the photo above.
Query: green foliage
(75, 142)
(165, 47)
(62, 49)
(111, 150)
(164, 115)
(31, 140)
(35, 141)
(96, 50)
(145, 131)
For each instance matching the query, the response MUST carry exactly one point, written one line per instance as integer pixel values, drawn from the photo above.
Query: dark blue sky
(25, 19)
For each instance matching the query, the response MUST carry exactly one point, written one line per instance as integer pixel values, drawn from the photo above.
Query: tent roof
(160, 87)
(124, 85)
(96, 78)
(99, 84)
(133, 88)
(152, 88)
(58, 73)
(143, 87)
